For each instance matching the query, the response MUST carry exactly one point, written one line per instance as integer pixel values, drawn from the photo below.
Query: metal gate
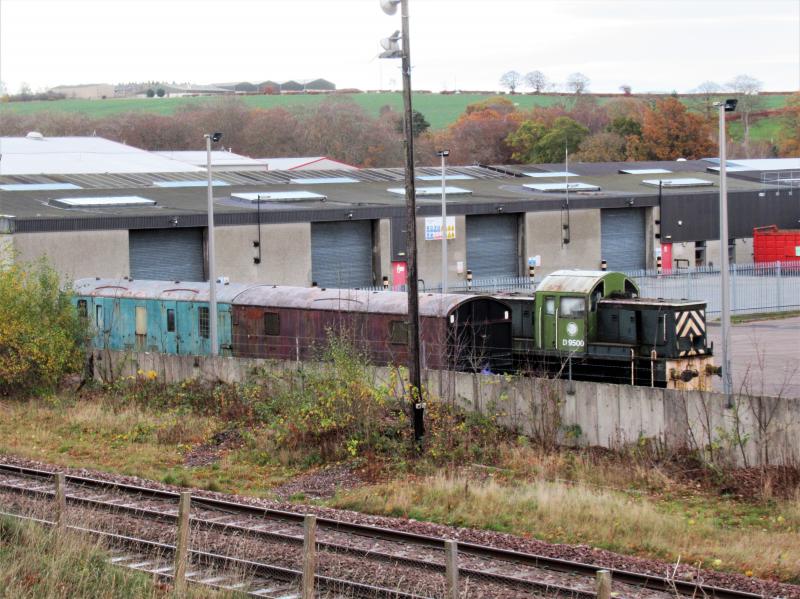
(167, 254)
(492, 245)
(622, 238)
(341, 254)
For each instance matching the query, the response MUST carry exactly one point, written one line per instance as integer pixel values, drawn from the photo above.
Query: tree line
(493, 131)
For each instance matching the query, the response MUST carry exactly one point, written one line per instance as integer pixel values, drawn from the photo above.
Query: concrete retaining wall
(753, 431)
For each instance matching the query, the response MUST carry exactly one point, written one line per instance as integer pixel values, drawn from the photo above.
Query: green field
(764, 129)
(440, 110)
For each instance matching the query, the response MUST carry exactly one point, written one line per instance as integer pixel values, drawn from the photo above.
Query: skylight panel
(553, 187)
(322, 180)
(278, 196)
(38, 186)
(189, 183)
(103, 202)
(550, 175)
(644, 171)
(447, 177)
(431, 191)
(689, 182)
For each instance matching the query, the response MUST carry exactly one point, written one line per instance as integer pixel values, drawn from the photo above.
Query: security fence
(763, 287)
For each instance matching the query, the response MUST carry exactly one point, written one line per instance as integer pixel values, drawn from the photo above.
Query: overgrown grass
(762, 129)
(704, 531)
(38, 563)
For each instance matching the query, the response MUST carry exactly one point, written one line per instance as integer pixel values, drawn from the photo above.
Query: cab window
(572, 307)
(598, 294)
(550, 305)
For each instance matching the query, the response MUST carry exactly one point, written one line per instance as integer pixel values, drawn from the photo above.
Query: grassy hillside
(440, 110)
(764, 129)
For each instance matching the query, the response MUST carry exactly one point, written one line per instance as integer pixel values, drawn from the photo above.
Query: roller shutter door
(341, 254)
(167, 254)
(622, 238)
(492, 245)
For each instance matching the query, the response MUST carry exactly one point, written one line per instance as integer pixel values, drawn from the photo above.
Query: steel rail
(212, 559)
(558, 564)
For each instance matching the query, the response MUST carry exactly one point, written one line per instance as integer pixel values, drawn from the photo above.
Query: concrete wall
(78, 254)
(543, 237)
(757, 430)
(744, 251)
(285, 254)
(683, 250)
(429, 255)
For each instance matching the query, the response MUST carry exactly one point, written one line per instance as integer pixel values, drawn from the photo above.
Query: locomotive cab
(566, 308)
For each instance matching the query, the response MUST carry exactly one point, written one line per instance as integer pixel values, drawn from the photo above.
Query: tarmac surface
(765, 356)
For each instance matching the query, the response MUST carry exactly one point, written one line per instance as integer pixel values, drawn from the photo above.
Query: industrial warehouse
(100, 208)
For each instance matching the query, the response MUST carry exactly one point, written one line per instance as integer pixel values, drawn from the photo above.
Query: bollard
(182, 542)
(603, 584)
(309, 555)
(451, 569)
(61, 501)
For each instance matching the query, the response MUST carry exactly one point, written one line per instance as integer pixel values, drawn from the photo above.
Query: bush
(41, 335)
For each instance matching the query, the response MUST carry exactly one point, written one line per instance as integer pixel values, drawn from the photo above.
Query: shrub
(41, 335)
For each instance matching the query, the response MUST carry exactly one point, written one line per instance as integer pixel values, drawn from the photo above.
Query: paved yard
(765, 356)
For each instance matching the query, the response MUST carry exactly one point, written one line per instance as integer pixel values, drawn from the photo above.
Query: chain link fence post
(451, 569)
(603, 584)
(61, 501)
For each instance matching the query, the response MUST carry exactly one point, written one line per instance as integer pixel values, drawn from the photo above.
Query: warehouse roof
(36, 154)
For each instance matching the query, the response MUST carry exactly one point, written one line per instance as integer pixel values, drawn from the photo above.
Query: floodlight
(443, 152)
(389, 6)
(215, 137)
(729, 104)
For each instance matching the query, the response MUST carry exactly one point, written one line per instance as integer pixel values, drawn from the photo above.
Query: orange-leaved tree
(670, 131)
(790, 136)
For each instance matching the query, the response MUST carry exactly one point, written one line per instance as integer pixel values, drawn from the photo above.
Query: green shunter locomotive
(595, 323)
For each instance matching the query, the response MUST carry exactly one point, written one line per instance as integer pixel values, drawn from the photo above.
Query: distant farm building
(89, 91)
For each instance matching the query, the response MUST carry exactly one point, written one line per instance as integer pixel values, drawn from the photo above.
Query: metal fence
(764, 287)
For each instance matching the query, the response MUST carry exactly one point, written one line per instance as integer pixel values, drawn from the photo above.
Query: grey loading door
(492, 245)
(622, 238)
(341, 254)
(167, 254)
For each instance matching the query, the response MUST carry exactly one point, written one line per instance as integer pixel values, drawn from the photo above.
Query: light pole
(212, 282)
(727, 378)
(392, 50)
(444, 154)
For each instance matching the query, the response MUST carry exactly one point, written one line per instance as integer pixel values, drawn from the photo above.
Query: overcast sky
(652, 45)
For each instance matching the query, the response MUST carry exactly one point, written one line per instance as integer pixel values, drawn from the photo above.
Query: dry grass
(38, 563)
(568, 512)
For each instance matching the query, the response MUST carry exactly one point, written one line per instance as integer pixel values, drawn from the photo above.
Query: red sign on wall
(399, 274)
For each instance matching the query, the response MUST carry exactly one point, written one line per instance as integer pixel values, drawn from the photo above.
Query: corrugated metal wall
(167, 254)
(492, 243)
(622, 241)
(341, 254)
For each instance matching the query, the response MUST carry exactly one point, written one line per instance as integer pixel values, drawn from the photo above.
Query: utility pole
(212, 282)
(414, 369)
(444, 154)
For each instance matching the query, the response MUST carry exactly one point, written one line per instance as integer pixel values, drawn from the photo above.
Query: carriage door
(169, 327)
(571, 329)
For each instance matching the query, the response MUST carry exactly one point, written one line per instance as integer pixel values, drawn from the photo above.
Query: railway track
(510, 569)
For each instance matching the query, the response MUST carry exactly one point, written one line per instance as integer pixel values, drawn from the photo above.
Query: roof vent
(35, 135)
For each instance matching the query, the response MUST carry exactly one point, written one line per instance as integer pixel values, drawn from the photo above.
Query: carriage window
(83, 310)
(272, 323)
(398, 332)
(170, 320)
(141, 320)
(202, 322)
(98, 316)
(549, 305)
(572, 307)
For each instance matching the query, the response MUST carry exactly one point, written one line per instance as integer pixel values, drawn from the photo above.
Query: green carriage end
(565, 313)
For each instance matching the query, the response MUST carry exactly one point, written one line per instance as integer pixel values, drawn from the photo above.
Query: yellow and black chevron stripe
(690, 322)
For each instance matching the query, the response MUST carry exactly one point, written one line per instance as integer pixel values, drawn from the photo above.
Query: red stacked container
(771, 244)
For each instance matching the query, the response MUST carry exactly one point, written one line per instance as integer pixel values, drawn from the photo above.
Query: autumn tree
(625, 89)
(578, 83)
(537, 81)
(589, 112)
(511, 80)
(605, 146)
(496, 104)
(524, 139)
(274, 132)
(625, 126)
(480, 136)
(419, 124)
(670, 131)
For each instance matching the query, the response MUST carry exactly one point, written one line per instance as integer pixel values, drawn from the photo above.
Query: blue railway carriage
(155, 316)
